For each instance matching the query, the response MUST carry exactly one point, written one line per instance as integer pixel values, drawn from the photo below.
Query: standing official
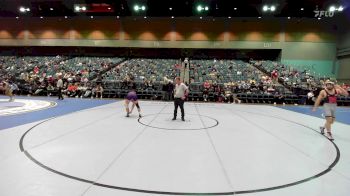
(60, 87)
(180, 94)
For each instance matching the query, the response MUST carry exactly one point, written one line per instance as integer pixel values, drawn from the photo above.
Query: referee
(180, 94)
(60, 87)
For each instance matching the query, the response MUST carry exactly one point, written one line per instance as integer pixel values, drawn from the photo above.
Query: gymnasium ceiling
(170, 8)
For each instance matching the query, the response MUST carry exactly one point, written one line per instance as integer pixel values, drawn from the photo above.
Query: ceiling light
(288, 17)
(201, 8)
(302, 9)
(23, 9)
(200, 17)
(41, 17)
(170, 8)
(272, 8)
(229, 17)
(265, 8)
(138, 8)
(332, 9)
(66, 17)
(172, 17)
(145, 17)
(341, 8)
(235, 8)
(259, 17)
(91, 16)
(51, 9)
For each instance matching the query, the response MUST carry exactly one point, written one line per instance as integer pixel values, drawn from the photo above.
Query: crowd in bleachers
(152, 78)
(223, 80)
(300, 81)
(38, 75)
(291, 77)
(232, 81)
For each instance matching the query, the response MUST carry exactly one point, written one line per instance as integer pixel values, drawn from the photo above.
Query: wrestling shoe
(329, 136)
(322, 130)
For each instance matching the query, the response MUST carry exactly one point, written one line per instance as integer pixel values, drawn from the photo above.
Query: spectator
(165, 90)
(278, 98)
(206, 89)
(310, 98)
(49, 89)
(40, 89)
(170, 90)
(72, 90)
(98, 91)
(274, 75)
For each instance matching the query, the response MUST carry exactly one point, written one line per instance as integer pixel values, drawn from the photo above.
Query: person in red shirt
(206, 84)
(71, 90)
(36, 70)
(274, 75)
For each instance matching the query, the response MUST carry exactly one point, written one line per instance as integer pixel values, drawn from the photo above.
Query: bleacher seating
(249, 81)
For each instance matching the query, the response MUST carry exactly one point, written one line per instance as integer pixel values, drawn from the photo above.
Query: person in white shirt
(60, 87)
(180, 94)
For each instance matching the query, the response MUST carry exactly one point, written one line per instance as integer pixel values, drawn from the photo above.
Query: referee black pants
(179, 102)
(60, 93)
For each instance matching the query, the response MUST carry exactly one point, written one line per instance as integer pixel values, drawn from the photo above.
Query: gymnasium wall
(137, 31)
(343, 51)
(309, 42)
(310, 45)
